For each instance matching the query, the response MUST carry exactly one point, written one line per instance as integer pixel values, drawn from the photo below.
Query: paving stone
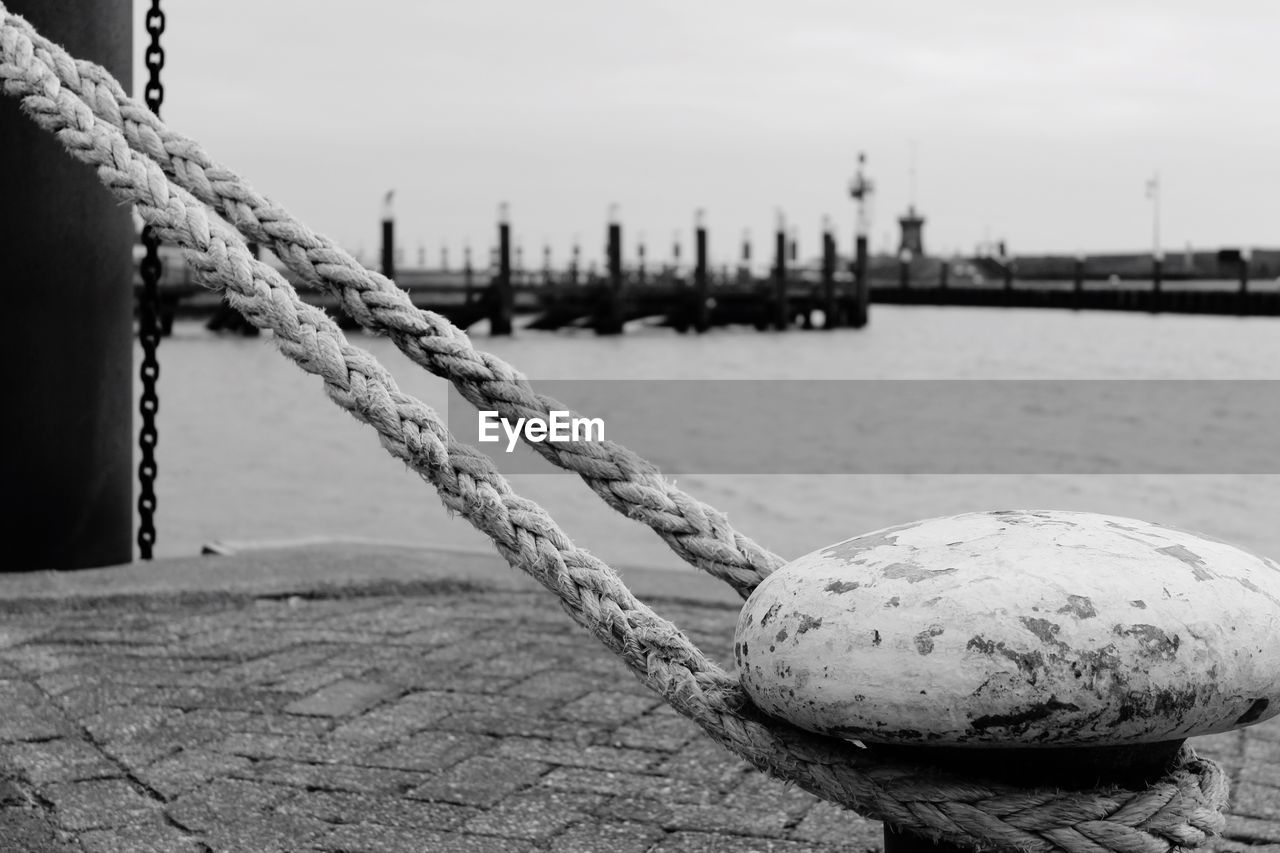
(298, 748)
(704, 842)
(481, 781)
(128, 722)
(831, 824)
(275, 833)
(705, 818)
(1251, 829)
(1222, 845)
(99, 804)
(609, 708)
(365, 780)
(343, 808)
(536, 815)
(269, 669)
(222, 801)
(342, 698)
(663, 733)
(28, 716)
(430, 751)
(61, 760)
(223, 698)
(557, 684)
(152, 837)
(586, 780)
(278, 771)
(759, 792)
(187, 770)
(594, 837)
(377, 838)
(569, 755)
(84, 699)
(703, 762)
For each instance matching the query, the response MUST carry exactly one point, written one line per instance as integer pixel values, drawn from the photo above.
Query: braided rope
(699, 534)
(1180, 810)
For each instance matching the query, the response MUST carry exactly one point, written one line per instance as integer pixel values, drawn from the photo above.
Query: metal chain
(148, 317)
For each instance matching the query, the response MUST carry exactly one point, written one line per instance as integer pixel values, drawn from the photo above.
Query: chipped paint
(1192, 559)
(912, 573)
(1079, 606)
(924, 640)
(1026, 627)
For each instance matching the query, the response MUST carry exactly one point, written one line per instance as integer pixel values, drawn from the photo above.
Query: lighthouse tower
(912, 225)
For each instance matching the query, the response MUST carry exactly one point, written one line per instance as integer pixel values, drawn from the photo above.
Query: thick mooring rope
(1180, 810)
(698, 533)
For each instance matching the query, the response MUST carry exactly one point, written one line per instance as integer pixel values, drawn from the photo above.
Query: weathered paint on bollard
(1017, 629)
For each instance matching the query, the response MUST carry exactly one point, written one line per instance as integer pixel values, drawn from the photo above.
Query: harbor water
(251, 450)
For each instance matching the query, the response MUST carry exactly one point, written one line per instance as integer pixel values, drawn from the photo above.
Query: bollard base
(1077, 768)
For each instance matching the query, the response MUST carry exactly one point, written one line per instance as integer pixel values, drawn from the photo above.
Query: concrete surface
(362, 698)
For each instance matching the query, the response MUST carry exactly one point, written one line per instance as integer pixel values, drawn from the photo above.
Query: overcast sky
(1038, 123)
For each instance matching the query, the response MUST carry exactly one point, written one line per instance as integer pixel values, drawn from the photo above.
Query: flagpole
(1155, 215)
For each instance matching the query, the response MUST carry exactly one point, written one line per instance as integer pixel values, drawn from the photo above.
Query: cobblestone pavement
(438, 716)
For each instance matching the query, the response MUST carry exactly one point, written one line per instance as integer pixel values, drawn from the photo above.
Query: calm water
(252, 450)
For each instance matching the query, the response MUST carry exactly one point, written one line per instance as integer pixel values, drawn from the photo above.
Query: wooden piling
(701, 288)
(1157, 278)
(1243, 297)
(830, 303)
(1077, 287)
(609, 303)
(389, 246)
(467, 275)
(501, 301)
(781, 312)
(859, 313)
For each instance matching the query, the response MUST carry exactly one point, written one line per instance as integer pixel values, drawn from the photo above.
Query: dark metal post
(68, 437)
(388, 240)
(781, 312)
(701, 290)
(1157, 277)
(745, 270)
(467, 274)
(830, 305)
(904, 269)
(500, 308)
(944, 273)
(1078, 284)
(862, 287)
(609, 317)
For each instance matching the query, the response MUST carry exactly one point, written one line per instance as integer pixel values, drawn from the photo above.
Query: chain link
(149, 317)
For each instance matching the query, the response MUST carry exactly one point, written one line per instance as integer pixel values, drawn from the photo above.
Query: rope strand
(1180, 810)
